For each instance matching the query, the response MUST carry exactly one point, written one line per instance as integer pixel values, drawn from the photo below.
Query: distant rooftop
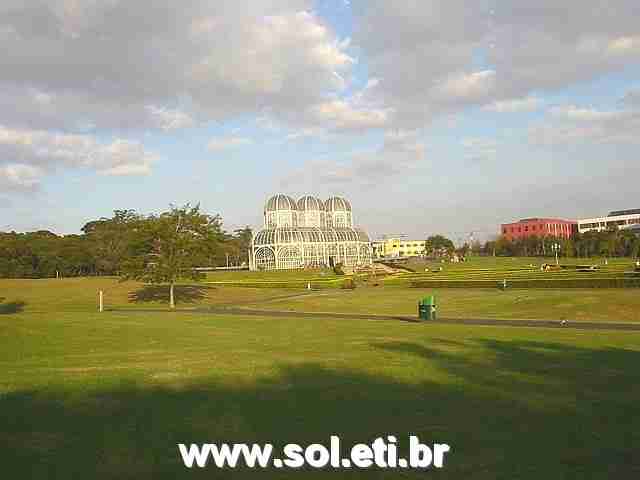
(635, 211)
(543, 219)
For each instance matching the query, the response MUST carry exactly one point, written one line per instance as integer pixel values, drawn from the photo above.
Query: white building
(622, 219)
(308, 233)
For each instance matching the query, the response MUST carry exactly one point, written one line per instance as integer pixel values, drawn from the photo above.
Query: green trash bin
(427, 308)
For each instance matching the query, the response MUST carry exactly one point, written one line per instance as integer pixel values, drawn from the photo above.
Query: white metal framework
(308, 233)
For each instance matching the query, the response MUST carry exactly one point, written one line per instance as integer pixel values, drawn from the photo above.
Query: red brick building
(539, 227)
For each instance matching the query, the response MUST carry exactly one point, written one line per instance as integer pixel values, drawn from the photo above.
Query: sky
(430, 116)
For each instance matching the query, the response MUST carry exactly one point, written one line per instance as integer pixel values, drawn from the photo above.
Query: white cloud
(223, 143)
(624, 45)
(573, 112)
(480, 149)
(86, 62)
(467, 86)
(28, 155)
(307, 132)
(346, 115)
(515, 105)
(399, 154)
(122, 158)
(632, 98)
(423, 53)
(170, 119)
(20, 177)
(571, 124)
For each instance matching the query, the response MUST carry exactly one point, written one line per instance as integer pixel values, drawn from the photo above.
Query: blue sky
(431, 117)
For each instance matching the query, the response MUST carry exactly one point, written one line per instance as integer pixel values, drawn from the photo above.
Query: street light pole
(556, 247)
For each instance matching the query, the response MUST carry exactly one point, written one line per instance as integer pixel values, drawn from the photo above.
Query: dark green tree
(438, 245)
(111, 238)
(169, 246)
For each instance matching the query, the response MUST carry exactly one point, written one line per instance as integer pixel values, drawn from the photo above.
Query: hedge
(335, 283)
(532, 283)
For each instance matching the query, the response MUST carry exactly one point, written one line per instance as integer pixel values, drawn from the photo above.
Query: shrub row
(533, 283)
(334, 283)
(509, 277)
(524, 275)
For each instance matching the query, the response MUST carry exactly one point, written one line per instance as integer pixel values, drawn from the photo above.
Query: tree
(437, 245)
(111, 238)
(243, 237)
(463, 250)
(168, 247)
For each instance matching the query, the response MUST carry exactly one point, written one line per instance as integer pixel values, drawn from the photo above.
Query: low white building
(622, 219)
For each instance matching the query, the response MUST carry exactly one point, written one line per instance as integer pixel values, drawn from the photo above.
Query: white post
(101, 301)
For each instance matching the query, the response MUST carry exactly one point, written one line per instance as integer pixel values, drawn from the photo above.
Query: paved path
(407, 318)
(232, 309)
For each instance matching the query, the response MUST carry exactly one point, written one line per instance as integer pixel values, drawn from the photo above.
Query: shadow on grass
(160, 294)
(11, 307)
(586, 425)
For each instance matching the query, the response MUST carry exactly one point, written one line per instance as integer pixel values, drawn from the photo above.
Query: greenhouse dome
(308, 233)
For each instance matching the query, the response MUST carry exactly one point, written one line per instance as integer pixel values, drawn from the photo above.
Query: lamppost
(556, 247)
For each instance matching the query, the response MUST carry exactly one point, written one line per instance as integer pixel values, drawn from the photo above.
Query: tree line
(609, 243)
(109, 246)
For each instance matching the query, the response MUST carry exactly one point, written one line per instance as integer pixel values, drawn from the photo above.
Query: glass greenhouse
(308, 233)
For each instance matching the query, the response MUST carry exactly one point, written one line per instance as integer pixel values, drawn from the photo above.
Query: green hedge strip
(533, 283)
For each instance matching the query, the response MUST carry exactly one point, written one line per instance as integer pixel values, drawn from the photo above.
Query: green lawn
(81, 294)
(277, 275)
(615, 305)
(109, 395)
(89, 395)
(496, 269)
(498, 263)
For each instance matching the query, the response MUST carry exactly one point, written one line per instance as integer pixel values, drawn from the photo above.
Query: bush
(349, 284)
(338, 269)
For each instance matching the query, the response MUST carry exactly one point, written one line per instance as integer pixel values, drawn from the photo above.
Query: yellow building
(398, 247)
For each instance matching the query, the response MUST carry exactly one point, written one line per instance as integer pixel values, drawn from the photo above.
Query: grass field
(88, 395)
(81, 294)
(315, 274)
(477, 272)
(109, 395)
(488, 271)
(603, 305)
